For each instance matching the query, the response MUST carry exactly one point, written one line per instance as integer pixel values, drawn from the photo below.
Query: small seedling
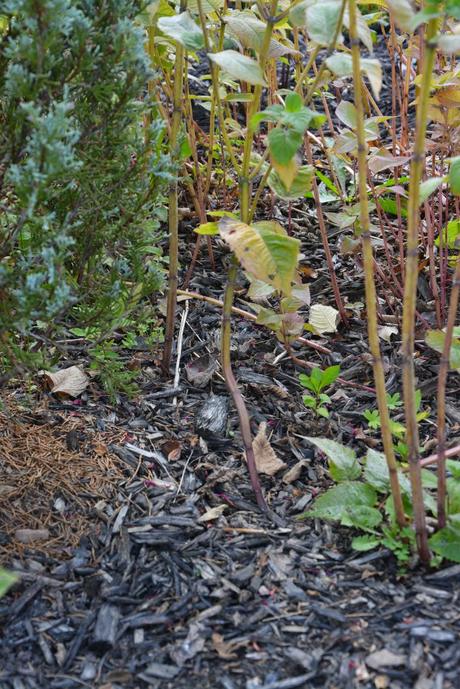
(316, 382)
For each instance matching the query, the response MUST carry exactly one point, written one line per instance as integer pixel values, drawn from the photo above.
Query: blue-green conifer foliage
(80, 176)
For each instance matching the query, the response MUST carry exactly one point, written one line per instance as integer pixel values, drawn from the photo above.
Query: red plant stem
(432, 459)
(325, 240)
(442, 381)
(233, 389)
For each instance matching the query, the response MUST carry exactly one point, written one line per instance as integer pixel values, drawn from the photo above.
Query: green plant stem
(410, 292)
(368, 262)
(245, 192)
(173, 216)
(215, 87)
(442, 381)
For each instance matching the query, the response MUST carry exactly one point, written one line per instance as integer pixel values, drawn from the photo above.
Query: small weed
(316, 382)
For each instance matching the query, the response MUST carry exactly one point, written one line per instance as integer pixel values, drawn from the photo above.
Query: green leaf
(7, 579)
(347, 113)
(293, 102)
(284, 144)
(334, 503)
(270, 319)
(365, 542)
(453, 493)
(363, 30)
(267, 255)
(239, 66)
(377, 475)
(249, 31)
(403, 13)
(182, 29)
(306, 382)
(429, 186)
(208, 6)
(446, 542)
(343, 464)
(321, 21)
(341, 65)
(300, 186)
(208, 228)
(436, 338)
(454, 176)
(373, 418)
(309, 401)
(454, 467)
(450, 235)
(362, 517)
(330, 374)
(322, 411)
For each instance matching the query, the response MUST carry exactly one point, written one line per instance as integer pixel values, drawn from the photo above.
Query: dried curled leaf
(71, 381)
(267, 462)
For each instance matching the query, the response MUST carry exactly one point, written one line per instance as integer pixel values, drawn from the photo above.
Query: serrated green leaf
(362, 517)
(446, 542)
(182, 29)
(343, 464)
(365, 542)
(239, 66)
(267, 255)
(334, 503)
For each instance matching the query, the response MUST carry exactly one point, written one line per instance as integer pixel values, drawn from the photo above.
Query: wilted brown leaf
(267, 461)
(70, 381)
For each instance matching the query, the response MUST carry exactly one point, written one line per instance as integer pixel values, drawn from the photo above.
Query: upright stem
(410, 292)
(230, 287)
(325, 240)
(442, 380)
(173, 216)
(232, 385)
(368, 262)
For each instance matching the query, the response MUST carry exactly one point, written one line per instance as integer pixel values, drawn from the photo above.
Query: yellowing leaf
(268, 255)
(287, 173)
